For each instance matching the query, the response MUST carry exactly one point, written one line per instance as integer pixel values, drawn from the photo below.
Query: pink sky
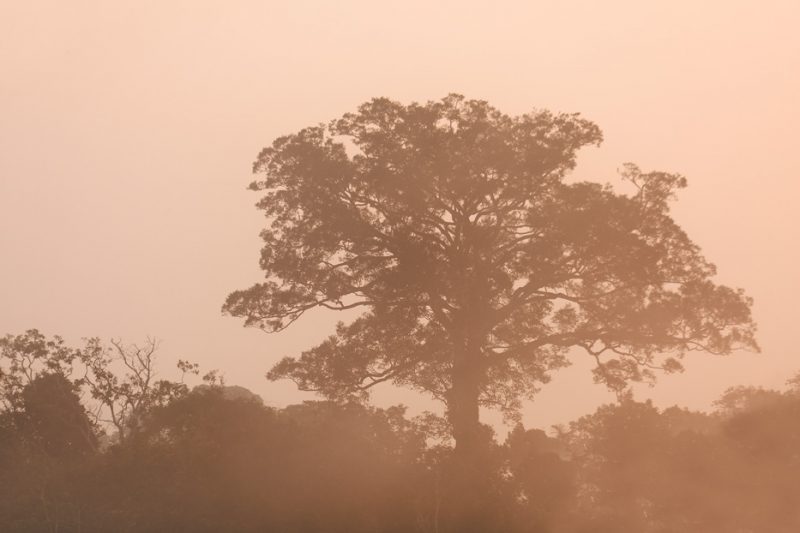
(128, 129)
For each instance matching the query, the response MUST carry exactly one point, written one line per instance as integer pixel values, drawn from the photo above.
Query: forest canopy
(213, 457)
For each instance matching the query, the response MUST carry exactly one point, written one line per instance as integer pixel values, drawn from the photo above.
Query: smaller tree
(46, 445)
(122, 398)
(27, 356)
(53, 418)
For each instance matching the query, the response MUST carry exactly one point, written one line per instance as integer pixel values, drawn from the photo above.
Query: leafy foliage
(477, 266)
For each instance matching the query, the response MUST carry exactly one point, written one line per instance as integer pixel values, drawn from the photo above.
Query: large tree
(477, 266)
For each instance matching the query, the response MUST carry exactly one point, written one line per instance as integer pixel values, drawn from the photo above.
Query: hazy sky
(127, 131)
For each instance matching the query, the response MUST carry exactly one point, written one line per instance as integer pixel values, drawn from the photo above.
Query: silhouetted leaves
(476, 265)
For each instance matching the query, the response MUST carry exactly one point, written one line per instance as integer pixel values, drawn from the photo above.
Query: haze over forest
(523, 267)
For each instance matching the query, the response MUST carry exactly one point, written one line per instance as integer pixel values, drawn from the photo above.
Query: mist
(510, 268)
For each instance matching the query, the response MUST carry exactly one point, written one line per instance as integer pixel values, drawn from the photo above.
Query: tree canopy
(477, 265)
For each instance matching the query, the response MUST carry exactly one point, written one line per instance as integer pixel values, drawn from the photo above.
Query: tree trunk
(462, 407)
(470, 475)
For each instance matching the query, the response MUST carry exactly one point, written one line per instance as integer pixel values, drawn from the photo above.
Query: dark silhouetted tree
(477, 266)
(54, 419)
(123, 381)
(45, 447)
(25, 357)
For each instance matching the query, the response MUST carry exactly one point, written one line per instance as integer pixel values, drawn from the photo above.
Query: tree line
(213, 457)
